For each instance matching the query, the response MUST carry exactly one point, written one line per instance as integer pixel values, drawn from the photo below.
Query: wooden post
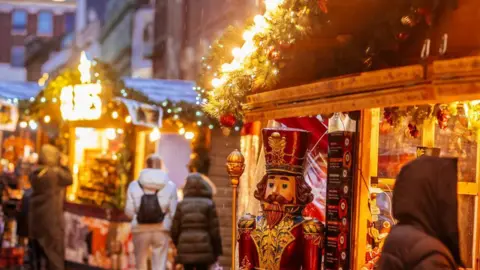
(368, 145)
(235, 167)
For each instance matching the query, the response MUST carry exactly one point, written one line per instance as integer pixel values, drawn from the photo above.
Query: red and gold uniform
(281, 238)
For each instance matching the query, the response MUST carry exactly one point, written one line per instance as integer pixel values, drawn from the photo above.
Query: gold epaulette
(246, 222)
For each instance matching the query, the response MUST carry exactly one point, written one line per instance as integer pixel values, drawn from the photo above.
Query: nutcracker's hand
(314, 237)
(247, 251)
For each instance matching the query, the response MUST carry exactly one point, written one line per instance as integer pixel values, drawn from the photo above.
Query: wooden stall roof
(441, 82)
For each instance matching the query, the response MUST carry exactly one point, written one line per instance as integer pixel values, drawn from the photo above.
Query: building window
(18, 56)
(45, 23)
(19, 22)
(69, 22)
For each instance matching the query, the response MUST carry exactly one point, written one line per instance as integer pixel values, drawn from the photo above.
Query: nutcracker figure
(281, 238)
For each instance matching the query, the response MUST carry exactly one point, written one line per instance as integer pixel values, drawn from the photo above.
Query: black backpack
(150, 211)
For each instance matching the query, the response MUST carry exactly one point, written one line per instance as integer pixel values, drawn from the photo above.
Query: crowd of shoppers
(424, 204)
(157, 220)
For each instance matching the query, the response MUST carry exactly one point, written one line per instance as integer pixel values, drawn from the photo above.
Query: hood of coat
(425, 196)
(196, 186)
(49, 155)
(153, 179)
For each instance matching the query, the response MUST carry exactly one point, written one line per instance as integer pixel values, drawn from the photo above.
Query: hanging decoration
(465, 114)
(239, 63)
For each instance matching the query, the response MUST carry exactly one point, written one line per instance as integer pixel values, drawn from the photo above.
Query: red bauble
(322, 4)
(388, 116)
(402, 36)
(413, 131)
(228, 120)
(443, 116)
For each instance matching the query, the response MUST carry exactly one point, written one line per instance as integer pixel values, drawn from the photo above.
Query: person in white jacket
(152, 236)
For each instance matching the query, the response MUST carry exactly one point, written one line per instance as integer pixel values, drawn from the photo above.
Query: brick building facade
(23, 21)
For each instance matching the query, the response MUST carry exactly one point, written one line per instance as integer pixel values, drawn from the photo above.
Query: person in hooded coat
(195, 227)
(425, 205)
(46, 222)
(153, 179)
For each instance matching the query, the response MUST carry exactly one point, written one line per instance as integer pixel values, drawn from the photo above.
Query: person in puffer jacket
(425, 205)
(155, 236)
(195, 228)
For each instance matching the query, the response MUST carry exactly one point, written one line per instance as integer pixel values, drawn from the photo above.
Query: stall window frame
(371, 164)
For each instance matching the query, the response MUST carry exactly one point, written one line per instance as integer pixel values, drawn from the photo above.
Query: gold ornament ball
(235, 166)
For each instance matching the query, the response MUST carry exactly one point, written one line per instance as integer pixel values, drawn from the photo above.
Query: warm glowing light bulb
(216, 82)
(272, 4)
(189, 135)
(33, 125)
(248, 48)
(46, 119)
(155, 135)
(226, 67)
(260, 21)
(23, 124)
(248, 35)
(115, 115)
(236, 52)
(111, 133)
(128, 119)
(181, 131)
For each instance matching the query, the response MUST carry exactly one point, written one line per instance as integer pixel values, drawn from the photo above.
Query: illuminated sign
(81, 102)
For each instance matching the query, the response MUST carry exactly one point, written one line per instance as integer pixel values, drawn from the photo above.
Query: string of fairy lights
(186, 116)
(241, 62)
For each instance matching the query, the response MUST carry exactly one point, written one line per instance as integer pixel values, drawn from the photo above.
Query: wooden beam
(346, 85)
(391, 97)
(454, 68)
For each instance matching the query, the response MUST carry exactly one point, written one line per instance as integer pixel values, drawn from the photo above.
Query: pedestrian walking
(425, 205)
(151, 203)
(45, 218)
(195, 228)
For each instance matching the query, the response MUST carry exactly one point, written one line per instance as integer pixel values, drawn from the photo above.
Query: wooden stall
(107, 127)
(448, 99)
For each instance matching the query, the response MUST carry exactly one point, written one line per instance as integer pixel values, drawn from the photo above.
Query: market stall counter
(96, 237)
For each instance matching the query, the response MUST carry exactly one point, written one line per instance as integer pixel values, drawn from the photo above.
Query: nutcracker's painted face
(277, 190)
(280, 189)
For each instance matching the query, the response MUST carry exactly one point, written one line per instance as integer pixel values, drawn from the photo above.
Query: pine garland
(234, 76)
